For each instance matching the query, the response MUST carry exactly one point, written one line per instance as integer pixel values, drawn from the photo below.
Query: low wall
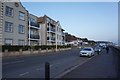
(20, 52)
(116, 48)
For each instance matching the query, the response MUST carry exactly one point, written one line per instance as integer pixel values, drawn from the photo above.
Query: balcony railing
(34, 24)
(51, 29)
(51, 38)
(33, 36)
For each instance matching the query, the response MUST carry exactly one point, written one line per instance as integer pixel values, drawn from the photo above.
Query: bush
(25, 48)
(14, 48)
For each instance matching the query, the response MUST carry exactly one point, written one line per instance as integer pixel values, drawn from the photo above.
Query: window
(8, 41)
(57, 36)
(87, 49)
(8, 27)
(9, 11)
(21, 15)
(21, 29)
(57, 28)
(21, 42)
(32, 20)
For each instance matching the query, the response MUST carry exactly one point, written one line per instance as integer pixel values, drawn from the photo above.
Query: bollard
(6, 52)
(31, 51)
(47, 71)
(59, 49)
(52, 49)
(46, 49)
(20, 51)
(39, 51)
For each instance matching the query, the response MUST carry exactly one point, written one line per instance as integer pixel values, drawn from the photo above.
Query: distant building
(102, 43)
(70, 38)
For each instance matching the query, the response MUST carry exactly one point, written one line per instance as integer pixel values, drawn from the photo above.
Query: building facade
(51, 31)
(60, 34)
(19, 27)
(14, 24)
(34, 31)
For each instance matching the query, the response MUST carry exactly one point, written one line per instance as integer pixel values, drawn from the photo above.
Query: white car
(97, 49)
(87, 51)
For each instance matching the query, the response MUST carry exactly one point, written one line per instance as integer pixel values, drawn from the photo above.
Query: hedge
(25, 48)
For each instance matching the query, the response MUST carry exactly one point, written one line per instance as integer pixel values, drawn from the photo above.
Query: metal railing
(51, 29)
(34, 24)
(34, 36)
(51, 38)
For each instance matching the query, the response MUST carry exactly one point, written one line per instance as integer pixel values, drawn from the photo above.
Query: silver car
(87, 51)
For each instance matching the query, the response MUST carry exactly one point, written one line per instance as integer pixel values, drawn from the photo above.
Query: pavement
(101, 66)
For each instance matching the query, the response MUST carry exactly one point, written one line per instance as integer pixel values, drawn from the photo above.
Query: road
(103, 66)
(33, 66)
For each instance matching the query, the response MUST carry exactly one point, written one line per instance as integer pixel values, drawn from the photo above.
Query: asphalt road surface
(33, 66)
(104, 65)
(60, 62)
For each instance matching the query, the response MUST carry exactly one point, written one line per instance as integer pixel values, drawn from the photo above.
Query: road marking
(23, 74)
(13, 62)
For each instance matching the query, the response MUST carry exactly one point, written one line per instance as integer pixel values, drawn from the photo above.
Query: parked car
(87, 51)
(97, 49)
(104, 46)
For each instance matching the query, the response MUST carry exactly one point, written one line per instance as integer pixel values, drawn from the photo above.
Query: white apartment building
(60, 36)
(13, 24)
(18, 27)
(34, 33)
(51, 31)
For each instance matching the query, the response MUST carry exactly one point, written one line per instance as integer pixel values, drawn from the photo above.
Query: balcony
(34, 36)
(51, 30)
(63, 34)
(34, 24)
(51, 38)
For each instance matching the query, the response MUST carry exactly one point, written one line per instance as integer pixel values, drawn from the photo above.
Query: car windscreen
(97, 48)
(87, 49)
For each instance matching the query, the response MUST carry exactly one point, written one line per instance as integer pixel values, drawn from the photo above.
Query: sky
(92, 20)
